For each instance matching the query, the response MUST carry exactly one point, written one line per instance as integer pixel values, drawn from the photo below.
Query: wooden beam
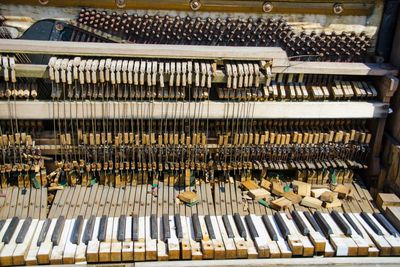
(351, 7)
(301, 261)
(181, 110)
(114, 50)
(336, 68)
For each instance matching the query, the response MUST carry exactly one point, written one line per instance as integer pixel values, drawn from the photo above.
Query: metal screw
(120, 3)
(43, 2)
(267, 7)
(195, 5)
(338, 8)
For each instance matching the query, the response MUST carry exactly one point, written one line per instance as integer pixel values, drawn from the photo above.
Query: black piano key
(385, 223)
(102, 228)
(198, 235)
(153, 227)
(228, 226)
(10, 230)
(88, 233)
(77, 230)
(135, 228)
(2, 222)
(58, 228)
(281, 224)
(353, 224)
(371, 223)
(250, 225)
(326, 229)
(178, 226)
(239, 225)
(121, 228)
(271, 230)
(209, 226)
(24, 229)
(300, 224)
(313, 222)
(341, 223)
(43, 231)
(166, 227)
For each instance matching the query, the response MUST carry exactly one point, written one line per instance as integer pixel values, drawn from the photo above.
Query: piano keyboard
(144, 223)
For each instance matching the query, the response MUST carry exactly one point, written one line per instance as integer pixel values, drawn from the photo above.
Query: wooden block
(334, 204)
(249, 185)
(266, 184)
(342, 190)
(318, 192)
(303, 189)
(311, 202)
(328, 196)
(280, 203)
(259, 193)
(393, 214)
(188, 197)
(293, 197)
(384, 199)
(277, 188)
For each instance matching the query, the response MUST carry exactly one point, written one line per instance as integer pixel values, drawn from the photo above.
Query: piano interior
(133, 131)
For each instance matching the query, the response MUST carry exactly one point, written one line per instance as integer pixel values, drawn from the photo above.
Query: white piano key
(80, 253)
(22, 249)
(293, 239)
(321, 244)
(70, 248)
(92, 251)
(8, 249)
(283, 245)
(380, 241)
(127, 245)
(162, 253)
(240, 243)
(173, 242)
(372, 250)
(56, 256)
(392, 240)
(116, 246)
(273, 248)
(139, 247)
(30, 257)
(338, 239)
(105, 247)
(151, 244)
(185, 242)
(44, 252)
(219, 248)
(195, 246)
(362, 245)
(308, 248)
(252, 251)
(261, 241)
(230, 248)
(207, 247)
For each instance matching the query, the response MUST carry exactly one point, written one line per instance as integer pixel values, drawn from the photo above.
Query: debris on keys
(343, 191)
(384, 200)
(280, 195)
(259, 193)
(189, 198)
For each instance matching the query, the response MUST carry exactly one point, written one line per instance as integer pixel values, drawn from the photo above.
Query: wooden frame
(351, 7)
